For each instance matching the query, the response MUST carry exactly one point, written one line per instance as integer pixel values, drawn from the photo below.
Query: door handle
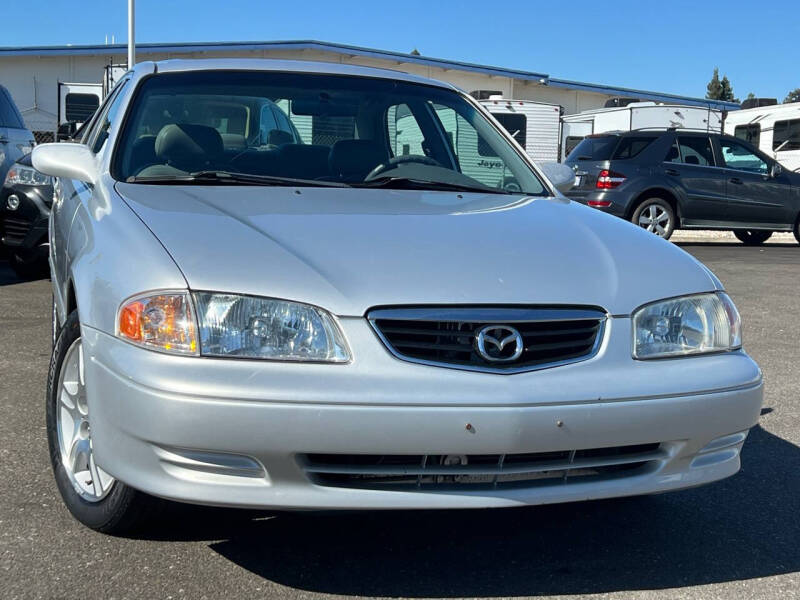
(3, 139)
(672, 172)
(736, 180)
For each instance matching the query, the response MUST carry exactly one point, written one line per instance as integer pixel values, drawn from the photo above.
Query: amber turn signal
(160, 321)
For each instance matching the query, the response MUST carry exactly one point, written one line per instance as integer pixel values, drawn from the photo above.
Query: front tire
(93, 496)
(657, 216)
(752, 237)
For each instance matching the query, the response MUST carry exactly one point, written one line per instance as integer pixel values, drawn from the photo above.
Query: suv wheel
(655, 215)
(93, 496)
(752, 237)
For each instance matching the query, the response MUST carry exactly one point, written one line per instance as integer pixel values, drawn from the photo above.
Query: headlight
(161, 321)
(26, 176)
(252, 327)
(689, 325)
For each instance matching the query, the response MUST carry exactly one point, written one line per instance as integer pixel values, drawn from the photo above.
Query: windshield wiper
(410, 183)
(232, 178)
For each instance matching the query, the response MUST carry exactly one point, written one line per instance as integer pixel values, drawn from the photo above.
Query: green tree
(714, 86)
(751, 96)
(793, 96)
(720, 89)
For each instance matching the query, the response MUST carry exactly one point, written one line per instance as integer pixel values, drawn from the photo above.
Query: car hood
(348, 250)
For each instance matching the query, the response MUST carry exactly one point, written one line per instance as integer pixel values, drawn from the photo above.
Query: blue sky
(668, 46)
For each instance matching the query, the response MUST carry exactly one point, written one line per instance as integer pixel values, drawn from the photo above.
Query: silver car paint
(348, 250)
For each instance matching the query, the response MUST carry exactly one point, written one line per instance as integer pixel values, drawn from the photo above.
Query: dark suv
(673, 179)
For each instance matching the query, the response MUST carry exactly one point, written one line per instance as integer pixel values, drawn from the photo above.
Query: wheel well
(659, 193)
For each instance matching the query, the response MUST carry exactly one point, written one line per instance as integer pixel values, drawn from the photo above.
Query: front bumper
(25, 229)
(230, 432)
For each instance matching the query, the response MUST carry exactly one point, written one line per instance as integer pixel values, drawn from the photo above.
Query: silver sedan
(315, 286)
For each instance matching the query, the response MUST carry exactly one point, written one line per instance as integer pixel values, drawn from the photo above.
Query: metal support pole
(131, 34)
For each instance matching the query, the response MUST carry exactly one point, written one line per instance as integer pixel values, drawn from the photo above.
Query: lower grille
(15, 230)
(479, 471)
(535, 338)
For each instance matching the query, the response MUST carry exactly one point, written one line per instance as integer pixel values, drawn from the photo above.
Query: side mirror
(775, 170)
(67, 160)
(560, 175)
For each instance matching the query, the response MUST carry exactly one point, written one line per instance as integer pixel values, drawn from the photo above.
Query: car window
(738, 156)
(631, 146)
(691, 151)
(750, 133)
(405, 134)
(341, 129)
(786, 135)
(99, 135)
(9, 115)
(595, 147)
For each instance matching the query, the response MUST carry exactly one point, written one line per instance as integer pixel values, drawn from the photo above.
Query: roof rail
(675, 128)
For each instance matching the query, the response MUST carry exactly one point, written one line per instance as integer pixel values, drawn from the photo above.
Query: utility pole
(131, 34)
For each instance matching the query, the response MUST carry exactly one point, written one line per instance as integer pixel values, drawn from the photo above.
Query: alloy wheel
(74, 431)
(655, 219)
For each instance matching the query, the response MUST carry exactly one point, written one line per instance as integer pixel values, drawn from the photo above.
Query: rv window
(749, 133)
(693, 151)
(515, 124)
(786, 135)
(327, 130)
(630, 147)
(79, 108)
(599, 147)
(570, 143)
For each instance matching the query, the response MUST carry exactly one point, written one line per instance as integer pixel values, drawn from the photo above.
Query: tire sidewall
(97, 515)
(664, 205)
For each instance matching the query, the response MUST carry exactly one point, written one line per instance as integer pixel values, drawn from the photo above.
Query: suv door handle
(3, 139)
(672, 172)
(736, 180)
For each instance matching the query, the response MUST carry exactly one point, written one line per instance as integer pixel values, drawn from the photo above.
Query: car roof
(269, 64)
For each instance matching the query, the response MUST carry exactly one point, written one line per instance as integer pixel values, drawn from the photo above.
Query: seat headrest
(304, 161)
(233, 141)
(278, 137)
(354, 159)
(188, 146)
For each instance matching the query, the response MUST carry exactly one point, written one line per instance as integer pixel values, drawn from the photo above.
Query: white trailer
(535, 125)
(775, 130)
(638, 115)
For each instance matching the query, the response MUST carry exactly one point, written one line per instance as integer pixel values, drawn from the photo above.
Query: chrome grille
(480, 471)
(447, 336)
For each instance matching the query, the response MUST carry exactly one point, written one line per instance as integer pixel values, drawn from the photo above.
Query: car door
(690, 165)
(756, 196)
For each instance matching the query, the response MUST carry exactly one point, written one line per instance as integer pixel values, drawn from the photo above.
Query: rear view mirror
(560, 175)
(65, 159)
(775, 170)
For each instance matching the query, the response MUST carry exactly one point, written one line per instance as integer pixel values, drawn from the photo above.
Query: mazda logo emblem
(499, 343)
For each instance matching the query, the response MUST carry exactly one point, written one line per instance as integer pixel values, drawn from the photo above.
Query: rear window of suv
(9, 115)
(632, 146)
(599, 147)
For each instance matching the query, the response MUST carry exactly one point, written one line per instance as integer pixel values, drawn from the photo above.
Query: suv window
(749, 133)
(691, 151)
(599, 147)
(739, 156)
(9, 115)
(786, 135)
(632, 146)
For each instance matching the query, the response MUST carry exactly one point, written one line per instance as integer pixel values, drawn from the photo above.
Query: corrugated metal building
(32, 73)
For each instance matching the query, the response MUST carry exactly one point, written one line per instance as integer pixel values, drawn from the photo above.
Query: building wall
(33, 80)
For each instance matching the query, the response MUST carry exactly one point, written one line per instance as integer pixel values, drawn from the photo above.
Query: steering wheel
(401, 160)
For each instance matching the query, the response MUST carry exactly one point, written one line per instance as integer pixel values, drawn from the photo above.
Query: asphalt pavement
(739, 538)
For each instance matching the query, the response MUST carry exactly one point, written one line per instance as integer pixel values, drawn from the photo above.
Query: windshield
(314, 127)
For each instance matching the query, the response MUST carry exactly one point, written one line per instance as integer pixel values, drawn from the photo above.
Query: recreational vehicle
(775, 130)
(637, 115)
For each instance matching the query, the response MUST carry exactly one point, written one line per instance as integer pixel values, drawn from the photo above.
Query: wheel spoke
(79, 455)
(97, 483)
(660, 230)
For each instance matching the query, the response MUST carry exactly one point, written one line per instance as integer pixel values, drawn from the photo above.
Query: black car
(25, 202)
(679, 179)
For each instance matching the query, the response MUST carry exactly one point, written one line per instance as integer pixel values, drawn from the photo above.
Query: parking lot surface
(739, 538)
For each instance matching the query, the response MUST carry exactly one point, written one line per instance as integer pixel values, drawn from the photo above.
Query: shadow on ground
(741, 528)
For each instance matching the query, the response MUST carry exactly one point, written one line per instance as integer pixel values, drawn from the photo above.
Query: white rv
(775, 130)
(637, 115)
